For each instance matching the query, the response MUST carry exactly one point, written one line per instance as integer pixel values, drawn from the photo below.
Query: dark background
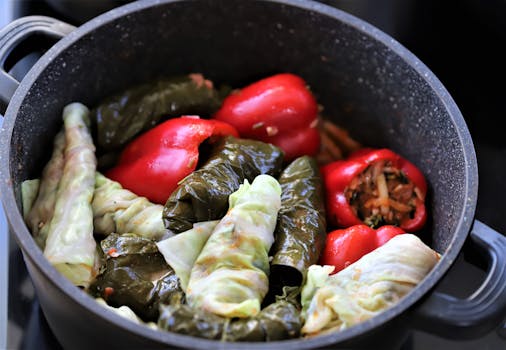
(461, 41)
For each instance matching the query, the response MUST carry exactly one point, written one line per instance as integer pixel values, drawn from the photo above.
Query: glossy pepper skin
(339, 174)
(153, 163)
(279, 110)
(345, 246)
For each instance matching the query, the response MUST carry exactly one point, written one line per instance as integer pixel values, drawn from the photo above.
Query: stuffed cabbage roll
(70, 246)
(29, 190)
(125, 312)
(181, 251)
(121, 117)
(42, 209)
(203, 195)
(229, 277)
(301, 230)
(119, 210)
(280, 320)
(135, 275)
(367, 287)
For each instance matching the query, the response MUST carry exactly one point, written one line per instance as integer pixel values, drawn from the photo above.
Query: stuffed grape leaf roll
(280, 320)
(301, 229)
(203, 195)
(367, 287)
(121, 117)
(135, 275)
(229, 277)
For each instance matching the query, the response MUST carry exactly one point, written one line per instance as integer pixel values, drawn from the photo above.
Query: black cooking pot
(367, 82)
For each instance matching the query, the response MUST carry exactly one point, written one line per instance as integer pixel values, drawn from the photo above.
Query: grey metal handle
(481, 312)
(15, 33)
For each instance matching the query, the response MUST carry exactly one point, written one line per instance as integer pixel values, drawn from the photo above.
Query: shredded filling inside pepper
(382, 194)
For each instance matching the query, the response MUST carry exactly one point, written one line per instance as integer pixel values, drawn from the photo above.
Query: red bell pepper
(153, 163)
(345, 246)
(279, 110)
(375, 187)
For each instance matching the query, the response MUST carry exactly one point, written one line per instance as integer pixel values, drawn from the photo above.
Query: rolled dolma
(301, 230)
(135, 275)
(121, 117)
(181, 251)
(229, 277)
(119, 210)
(70, 246)
(365, 288)
(42, 210)
(280, 320)
(203, 195)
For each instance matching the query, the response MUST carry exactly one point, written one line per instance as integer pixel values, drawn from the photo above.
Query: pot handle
(16, 33)
(483, 311)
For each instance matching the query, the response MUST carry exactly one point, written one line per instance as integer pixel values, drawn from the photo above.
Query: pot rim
(32, 251)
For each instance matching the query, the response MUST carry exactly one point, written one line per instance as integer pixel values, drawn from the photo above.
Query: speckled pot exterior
(366, 81)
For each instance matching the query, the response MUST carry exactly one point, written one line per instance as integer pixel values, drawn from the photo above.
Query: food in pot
(203, 195)
(119, 210)
(376, 187)
(70, 246)
(42, 209)
(278, 109)
(136, 275)
(126, 312)
(181, 251)
(244, 220)
(153, 164)
(230, 276)
(345, 246)
(301, 228)
(365, 288)
(277, 321)
(121, 117)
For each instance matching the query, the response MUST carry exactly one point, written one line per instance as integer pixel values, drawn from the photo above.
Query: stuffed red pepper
(375, 187)
(153, 163)
(280, 110)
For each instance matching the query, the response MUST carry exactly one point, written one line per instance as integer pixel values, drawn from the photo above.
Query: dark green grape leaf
(301, 230)
(203, 195)
(121, 117)
(135, 274)
(278, 321)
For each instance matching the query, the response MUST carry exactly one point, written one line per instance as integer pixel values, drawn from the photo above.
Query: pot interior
(365, 81)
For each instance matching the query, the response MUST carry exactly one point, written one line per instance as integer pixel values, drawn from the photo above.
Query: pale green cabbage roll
(29, 190)
(229, 277)
(41, 212)
(365, 288)
(125, 312)
(181, 251)
(70, 246)
(119, 210)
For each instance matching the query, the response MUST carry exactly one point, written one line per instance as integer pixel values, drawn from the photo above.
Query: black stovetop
(458, 40)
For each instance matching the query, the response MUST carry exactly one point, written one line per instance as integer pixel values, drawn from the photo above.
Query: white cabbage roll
(125, 312)
(365, 288)
(119, 210)
(41, 212)
(70, 246)
(29, 190)
(229, 277)
(181, 251)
